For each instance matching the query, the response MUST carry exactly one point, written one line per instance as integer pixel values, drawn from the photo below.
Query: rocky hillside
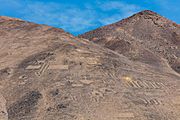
(146, 37)
(48, 74)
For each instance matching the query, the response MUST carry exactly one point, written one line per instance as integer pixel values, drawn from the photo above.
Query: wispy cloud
(119, 5)
(71, 17)
(168, 8)
(122, 10)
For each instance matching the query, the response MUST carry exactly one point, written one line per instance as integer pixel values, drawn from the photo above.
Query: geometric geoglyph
(46, 65)
(33, 67)
(142, 84)
(125, 115)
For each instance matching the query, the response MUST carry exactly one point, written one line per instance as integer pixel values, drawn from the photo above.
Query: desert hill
(146, 37)
(49, 74)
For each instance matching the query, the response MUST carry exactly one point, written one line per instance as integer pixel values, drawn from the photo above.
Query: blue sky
(79, 16)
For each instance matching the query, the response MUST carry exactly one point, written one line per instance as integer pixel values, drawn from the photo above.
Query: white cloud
(118, 5)
(68, 17)
(71, 17)
(123, 10)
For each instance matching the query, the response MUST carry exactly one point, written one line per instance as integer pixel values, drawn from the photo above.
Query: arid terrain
(129, 70)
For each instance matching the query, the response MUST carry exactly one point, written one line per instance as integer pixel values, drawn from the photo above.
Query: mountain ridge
(49, 74)
(147, 29)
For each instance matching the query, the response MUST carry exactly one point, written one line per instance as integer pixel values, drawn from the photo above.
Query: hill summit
(128, 70)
